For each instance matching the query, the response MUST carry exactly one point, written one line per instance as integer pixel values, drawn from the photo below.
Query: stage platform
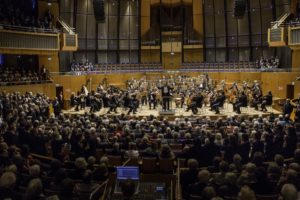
(144, 111)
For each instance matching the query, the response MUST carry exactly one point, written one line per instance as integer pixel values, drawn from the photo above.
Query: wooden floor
(143, 111)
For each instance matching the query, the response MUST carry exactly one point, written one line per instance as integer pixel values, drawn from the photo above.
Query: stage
(144, 111)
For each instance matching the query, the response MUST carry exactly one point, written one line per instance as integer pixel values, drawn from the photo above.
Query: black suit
(166, 94)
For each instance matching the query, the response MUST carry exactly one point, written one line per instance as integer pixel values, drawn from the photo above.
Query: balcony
(26, 40)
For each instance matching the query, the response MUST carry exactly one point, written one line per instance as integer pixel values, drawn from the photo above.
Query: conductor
(166, 95)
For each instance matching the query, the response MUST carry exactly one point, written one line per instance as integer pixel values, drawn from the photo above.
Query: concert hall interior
(150, 99)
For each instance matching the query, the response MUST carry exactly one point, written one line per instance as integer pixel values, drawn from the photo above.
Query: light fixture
(172, 53)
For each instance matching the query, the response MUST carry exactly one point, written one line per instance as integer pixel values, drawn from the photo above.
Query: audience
(266, 64)
(21, 13)
(10, 75)
(236, 166)
(79, 68)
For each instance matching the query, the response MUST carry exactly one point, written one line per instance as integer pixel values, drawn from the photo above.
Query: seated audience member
(208, 193)
(189, 177)
(101, 172)
(66, 190)
(128, 189)
(263, 185)
(166, 153)
(289, 192)
(80, 167)
(34, 190)
(229, 188)
(85, 188)
(132, 152)
(203, 180)
(246, 194)
(7, 184)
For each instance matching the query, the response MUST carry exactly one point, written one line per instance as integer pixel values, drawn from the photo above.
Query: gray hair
(289, 192)
(7, 180)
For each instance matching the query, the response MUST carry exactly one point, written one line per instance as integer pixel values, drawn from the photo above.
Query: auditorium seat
(114, 160)
(266, 197)
(149, 165)
(166, 165)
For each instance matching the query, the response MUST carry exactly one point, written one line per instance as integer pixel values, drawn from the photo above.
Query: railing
(29, 40)
(230, 67)
(294, 38)
(275, 35)
(196, 67)
(68, 28)
(28, 29)
(24, 82)
(280, 21)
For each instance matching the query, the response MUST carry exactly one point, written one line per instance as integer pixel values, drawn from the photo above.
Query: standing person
(166, 95)
(152, 99)
(287, 108)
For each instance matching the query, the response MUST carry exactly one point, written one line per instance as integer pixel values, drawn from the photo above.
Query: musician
(95, 102)
(152, 99)
(144, 97)
(73, 100)
(166, 95)
(287, 108)
(196, 102)
(112, 103)
(56, 106)
(242, 101)
(266, 101)
(297, 113)
(133, 104)
(257, 98)
(218, 102)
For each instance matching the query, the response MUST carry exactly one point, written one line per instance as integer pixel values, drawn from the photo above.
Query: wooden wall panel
(145, 16)
(51, 62)
(193, 55)
(198, 16)
(148, 56)
(277, 82)
(295, 60)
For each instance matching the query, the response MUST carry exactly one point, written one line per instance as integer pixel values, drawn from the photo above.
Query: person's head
(289, 192)
(237, 159)
(279, 160)
(80, 163)
(250, 168)
(297, 155)
(224, 167)
(7, 180)
(34, 189)
(246, 194)
(34, 170)
(128, 189)
(258, 158)
(203, 176)
(231, 178)
(91, 160)
(208, 193)
(192, 164)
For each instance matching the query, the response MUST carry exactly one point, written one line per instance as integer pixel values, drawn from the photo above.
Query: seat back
(166, 165)
(149, 164)
(114, 160)
(267, 197)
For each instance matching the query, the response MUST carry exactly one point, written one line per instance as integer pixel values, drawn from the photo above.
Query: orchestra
(192, 92)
